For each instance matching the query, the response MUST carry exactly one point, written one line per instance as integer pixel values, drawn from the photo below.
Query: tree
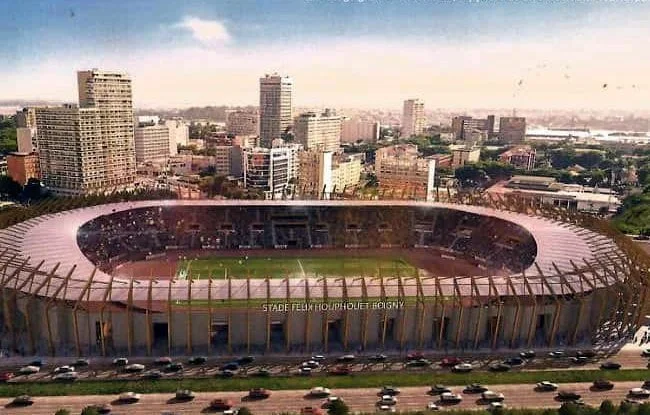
(244, 410)
(568, 408)
(90, 410)
(338, 407)
(607, 408)
(470, 175)
(644, 409)
(62, 412)
(371, 180)
(10, 187)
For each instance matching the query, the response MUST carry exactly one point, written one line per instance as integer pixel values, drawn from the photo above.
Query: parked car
(66, 377)
(490, 396)
(184, 395)
(312, 364)
(163, 361)
(418, 363)
(101, 408)
(174, 367)
(319, 392)
(226, 374)
(22, 400)
(346, 358)
(63, 369)
(264, 373)
(318, 357)
(230, 366)
(259, 393)
(546, 386)
(431, 406)
(579, 360)
(305, 371)
(245, 360)
(197, 360)
(496, 405)
(134, 368)
(475, 388)
(639, 393)
(37, 363)
(602, 384)
(415, 356)
(450, 398)
(330, 400)
(514, 361)
(450, 361)
(378, 357)
(152, 374)
(387, 400)
(557, 354)
(81, 363)
(499, 367)
(609, 365)
(589, 354)
(129, 397)
(29, 370)
(221, 404)
(438, 389)
(389, 390)
(340, 371)
(527, 354)
(568, 396)
(385, 408)
(120, 361)
(645, 353)
(463, 368)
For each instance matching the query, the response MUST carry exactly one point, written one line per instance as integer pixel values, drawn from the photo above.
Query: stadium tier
(96, 280)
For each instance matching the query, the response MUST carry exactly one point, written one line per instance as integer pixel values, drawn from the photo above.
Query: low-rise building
(400, 169)
(569, 196)
(23, 166)
(521, 157)
(462, 156)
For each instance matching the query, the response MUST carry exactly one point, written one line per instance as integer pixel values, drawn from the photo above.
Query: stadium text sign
(333, 306)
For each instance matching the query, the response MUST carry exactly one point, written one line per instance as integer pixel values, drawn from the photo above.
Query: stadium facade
(543, 277)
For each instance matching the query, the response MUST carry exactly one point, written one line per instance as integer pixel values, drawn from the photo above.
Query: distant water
(600, 135)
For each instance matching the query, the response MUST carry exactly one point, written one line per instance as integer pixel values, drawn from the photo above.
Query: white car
(386, 408)
(387, 400)
(320, 391)
(639, 393)
(463, 368)
(431, 406)
(330, 400)
(448, 397)
(230, 412)
(133, 368)
(63, 369)
(129, 397)
(312, 364)
(66, 376)
(491, 396)
(496, 405)
(318, 357)
(546, 386)
(29, 370)
(305, 371)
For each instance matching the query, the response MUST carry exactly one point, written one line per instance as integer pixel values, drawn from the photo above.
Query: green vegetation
(279, 267)
(635, 216)
(358, 380)
(8, 140)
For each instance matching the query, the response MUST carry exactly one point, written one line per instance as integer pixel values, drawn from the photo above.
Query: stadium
(182, 277)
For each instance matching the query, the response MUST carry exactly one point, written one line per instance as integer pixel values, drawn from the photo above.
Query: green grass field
(278, 267)
(359, 380)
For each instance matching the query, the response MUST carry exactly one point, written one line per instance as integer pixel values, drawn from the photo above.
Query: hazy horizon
(369, 54)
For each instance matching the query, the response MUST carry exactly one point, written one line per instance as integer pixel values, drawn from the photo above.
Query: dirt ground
(428, 260)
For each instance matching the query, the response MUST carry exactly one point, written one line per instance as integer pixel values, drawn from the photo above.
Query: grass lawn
(362, 380)
(278, 267)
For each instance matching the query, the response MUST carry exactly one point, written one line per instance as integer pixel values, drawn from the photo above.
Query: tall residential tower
(275, 107)
(413, 119)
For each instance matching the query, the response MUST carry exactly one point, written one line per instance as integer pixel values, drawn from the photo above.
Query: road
(411, 399)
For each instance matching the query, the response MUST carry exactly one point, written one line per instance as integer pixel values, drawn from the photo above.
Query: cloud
(208, 32)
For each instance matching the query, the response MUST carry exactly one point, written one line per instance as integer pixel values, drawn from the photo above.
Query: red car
(450, 361)
(221, 404)
(340, 370)
(415, 356)
(6, 376)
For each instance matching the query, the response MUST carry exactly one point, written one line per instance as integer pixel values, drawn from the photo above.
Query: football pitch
(295, 267)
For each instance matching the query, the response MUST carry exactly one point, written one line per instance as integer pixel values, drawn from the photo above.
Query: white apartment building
(179, 134)
(318, 131)
(324, 172)
(413, 119)
(152, 143)
(354, 130)
(401, 170)
(26, 138)
(275, 107)
(242, 123)
(271, 169)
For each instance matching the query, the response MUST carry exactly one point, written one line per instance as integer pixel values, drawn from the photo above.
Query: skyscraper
(90, 147)
(275, 107)
(413, 119)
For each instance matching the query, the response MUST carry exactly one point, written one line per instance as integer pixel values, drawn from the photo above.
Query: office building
(512, 129)
(400, 170)
(324, 172)
(271, 169)
(151, 143)
(359, 130)
(521, 157)
(318, 131)
(275, 107)
(242, 123)
(462, 156)
(179, 134)
(473, 129)
(89, 148)
(228, 160)
(23, 166)
(413, 119)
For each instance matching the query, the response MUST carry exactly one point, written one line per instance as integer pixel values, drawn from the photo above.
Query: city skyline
(457, 54)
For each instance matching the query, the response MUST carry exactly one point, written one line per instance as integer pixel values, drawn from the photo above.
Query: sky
(340, 53)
